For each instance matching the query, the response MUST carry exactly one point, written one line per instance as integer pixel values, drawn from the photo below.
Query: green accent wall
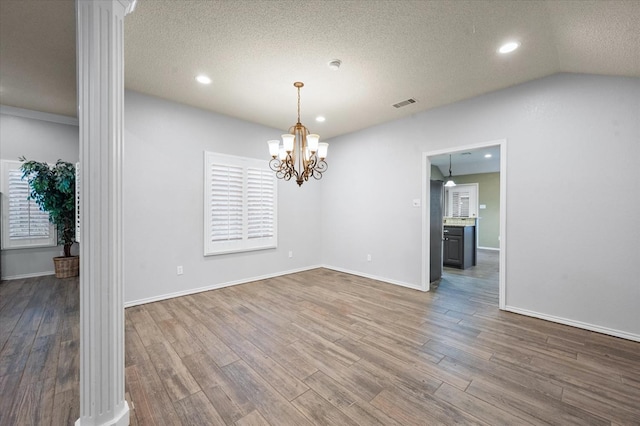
(436, 174)
(489, 195)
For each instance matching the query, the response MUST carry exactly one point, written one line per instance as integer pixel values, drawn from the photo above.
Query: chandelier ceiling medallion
(300, 155)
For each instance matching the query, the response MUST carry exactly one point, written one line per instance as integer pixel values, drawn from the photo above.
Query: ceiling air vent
(405, 103)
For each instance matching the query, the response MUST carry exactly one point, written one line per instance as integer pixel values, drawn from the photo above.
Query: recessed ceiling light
(335, 64)
(203, 79)
(509, 47)
(320, 119)
(487, 156)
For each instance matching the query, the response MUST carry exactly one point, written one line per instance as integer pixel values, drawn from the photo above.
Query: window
(24, 225)
(240, 204)
(462, 200)
(460, 203)
(77, 202)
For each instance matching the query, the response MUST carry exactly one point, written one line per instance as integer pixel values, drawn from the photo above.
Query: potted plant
(53, 188)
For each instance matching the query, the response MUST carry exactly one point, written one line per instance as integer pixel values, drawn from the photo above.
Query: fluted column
(100, 53)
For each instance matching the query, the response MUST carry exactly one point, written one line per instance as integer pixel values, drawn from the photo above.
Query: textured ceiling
(38, 55)
(469, 162)
(437, 52)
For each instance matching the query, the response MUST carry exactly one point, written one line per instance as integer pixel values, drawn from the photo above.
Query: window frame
(6, 166)
(245, 243)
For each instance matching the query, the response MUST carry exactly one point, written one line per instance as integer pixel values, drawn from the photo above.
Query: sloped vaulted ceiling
(436, 52)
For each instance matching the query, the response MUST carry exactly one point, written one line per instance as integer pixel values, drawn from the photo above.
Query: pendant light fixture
(450, 183)
(300, 155)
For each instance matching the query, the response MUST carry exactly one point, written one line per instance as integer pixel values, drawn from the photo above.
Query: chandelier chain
(298, 104)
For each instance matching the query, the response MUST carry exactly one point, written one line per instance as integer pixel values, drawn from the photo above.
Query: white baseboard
(128, 304)
(577, 324)
(374, 277)
(488, 248)
(36, 274)
(560, 320)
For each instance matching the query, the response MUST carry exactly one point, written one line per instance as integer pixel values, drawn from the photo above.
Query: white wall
(163, 201)
(39, 140)
(571, 254)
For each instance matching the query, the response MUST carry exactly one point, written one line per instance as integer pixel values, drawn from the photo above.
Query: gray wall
(488, 218)
(42, 141)
(163, 199)
(563, 260)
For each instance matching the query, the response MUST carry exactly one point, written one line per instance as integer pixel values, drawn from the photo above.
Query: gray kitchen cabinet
(459, 248)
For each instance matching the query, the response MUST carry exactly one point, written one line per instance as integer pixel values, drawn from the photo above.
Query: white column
(100, 53)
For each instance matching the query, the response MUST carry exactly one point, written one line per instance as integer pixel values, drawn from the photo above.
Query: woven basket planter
(67, 267)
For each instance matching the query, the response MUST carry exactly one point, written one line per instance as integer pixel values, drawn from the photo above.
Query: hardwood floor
(39, 332)
(324, 348)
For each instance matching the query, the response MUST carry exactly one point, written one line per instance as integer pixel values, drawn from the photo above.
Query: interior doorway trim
(426, 211)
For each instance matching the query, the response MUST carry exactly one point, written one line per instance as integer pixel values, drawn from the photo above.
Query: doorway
(426, 210)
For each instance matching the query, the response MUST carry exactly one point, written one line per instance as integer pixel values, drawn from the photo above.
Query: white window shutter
(460, 203)
(26, 220)
(78, 202)
(24, 223)
(226, 202)
(260, 203)
(240, 204)
(462, 200)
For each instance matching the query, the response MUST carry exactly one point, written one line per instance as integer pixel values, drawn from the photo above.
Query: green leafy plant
(53, 188)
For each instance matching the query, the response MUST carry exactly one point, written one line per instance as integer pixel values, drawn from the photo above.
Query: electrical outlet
(180, 271)
(290, 254)
(368, 258)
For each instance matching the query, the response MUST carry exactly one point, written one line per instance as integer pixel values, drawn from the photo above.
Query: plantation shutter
(24, 224)
(260, 203)
(226, 202)
(239, 204)
(460, 200)
(26, 220)
(78, 202)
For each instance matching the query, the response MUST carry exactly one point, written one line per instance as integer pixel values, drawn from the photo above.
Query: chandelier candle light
(300, 155)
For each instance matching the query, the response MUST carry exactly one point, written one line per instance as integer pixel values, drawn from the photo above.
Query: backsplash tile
(460, 221)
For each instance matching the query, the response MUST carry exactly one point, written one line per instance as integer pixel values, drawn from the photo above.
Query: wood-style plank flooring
(39, 336)
(324, 348)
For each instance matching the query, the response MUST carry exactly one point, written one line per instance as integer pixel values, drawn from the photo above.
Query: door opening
(427, 233)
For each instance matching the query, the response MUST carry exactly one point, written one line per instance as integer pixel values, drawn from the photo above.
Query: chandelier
(300, 155)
